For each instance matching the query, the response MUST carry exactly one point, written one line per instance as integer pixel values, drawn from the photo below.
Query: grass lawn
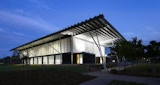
(43, 75)
(145, 70)
(116, 82)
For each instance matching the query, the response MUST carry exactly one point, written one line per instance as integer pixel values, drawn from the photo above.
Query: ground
(43, 75)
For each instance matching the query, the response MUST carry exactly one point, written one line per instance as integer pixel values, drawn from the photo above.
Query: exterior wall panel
(80, 45)
(48, 48)
(39, 60)
(45, 60)
(51, 59)
(35, 60)
(31, 60)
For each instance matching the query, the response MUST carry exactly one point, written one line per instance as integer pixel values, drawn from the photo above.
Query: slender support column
(99, 48)
(71, 48)
(37, 60)
(60, 43)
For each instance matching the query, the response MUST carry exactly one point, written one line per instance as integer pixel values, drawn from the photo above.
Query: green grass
(145, 70)
(73, 68)
(43, 75)
(117, 82)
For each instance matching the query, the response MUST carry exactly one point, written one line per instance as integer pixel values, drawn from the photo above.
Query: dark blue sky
(24, 20)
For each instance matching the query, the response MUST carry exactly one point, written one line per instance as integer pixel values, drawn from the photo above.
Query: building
(81, 43)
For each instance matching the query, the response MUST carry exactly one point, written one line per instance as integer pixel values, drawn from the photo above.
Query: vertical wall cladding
(78, 45)
(56, 47)
(32, 52)
(51, 59)
(38, 51)
(44, 48)
(58, 59)
(65, 45)
(39, 60)
(35, 60)
(31, 60)
(45, 61)
(48, 48)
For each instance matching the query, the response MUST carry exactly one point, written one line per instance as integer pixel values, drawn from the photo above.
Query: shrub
(114, 71)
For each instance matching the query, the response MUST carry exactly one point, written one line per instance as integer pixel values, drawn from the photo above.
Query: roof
(97, 26)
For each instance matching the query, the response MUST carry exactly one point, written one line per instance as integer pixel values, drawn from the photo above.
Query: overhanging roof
(97, 26)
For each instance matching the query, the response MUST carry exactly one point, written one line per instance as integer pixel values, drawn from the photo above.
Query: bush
(114, 71)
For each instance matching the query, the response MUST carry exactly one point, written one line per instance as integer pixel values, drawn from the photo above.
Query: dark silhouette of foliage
(153, 49)
(131, 50)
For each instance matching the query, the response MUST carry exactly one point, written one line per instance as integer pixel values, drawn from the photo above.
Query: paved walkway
(104, 77)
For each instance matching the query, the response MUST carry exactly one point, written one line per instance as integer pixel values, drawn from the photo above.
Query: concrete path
(104, 77)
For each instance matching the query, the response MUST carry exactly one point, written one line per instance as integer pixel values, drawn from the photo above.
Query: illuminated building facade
(81, 43)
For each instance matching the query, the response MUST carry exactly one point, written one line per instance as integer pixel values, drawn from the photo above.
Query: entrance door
(79, 59)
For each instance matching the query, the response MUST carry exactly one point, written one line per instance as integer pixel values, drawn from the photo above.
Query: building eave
(97, 23)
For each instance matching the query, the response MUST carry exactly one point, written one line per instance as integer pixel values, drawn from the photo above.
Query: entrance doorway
(79, 59)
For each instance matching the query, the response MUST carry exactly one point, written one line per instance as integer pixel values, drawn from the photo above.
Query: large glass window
(51, 59)
(45, 61)
(58, 59)
(39, 60)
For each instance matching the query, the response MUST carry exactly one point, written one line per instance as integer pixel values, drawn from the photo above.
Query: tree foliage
(134, 49)
(129, 49)
(153, 49)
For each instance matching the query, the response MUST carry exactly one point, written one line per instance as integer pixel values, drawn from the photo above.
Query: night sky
(22, 21)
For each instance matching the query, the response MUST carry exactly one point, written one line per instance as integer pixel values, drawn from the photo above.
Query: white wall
(48, 49)
(80, 45)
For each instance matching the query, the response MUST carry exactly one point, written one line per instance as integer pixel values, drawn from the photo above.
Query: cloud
(9, 35)
(21, 11)
(130, 34)
(18, 33)
(152, 33)
(21, 21)
(39, 4)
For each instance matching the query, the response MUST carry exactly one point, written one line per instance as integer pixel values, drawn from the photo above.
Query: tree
(138, 48)
(123, 49)
(7, 60)
(131, 50)
(16, 58)
(153, 49)
(25, 59)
